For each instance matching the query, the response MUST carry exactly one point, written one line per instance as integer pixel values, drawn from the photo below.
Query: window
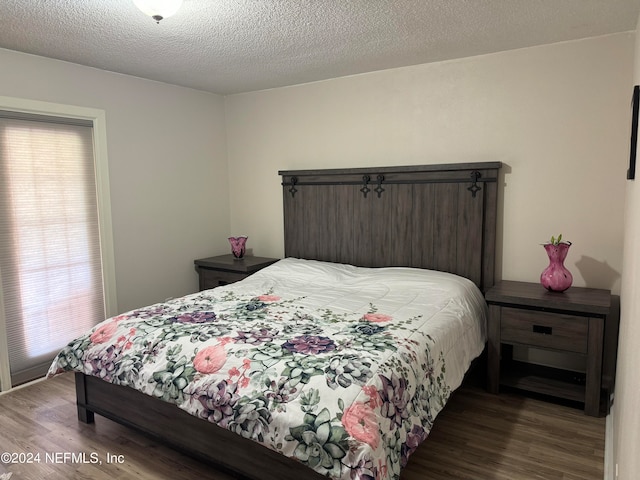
(52, 280)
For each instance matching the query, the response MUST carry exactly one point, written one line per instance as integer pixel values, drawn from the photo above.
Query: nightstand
(571, 322)
(225, 269)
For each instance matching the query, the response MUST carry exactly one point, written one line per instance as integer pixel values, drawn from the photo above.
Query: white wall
(556, 115)
(626, 419)
(167, 168)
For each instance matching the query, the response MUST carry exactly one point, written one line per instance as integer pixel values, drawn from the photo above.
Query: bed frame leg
(84, 414)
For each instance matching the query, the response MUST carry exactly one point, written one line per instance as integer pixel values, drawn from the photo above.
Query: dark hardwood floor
(481, 436)
(478, 436)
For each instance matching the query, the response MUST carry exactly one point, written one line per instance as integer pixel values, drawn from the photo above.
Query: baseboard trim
(609, 454)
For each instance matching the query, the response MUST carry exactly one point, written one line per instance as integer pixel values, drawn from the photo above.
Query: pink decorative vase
(238, 246)
(556, 277)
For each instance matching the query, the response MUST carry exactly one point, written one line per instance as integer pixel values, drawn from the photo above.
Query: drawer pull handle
(542, 329)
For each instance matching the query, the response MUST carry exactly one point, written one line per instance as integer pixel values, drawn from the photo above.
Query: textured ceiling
(231, 46)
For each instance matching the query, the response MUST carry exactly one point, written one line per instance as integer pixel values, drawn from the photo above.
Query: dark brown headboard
(441, 217)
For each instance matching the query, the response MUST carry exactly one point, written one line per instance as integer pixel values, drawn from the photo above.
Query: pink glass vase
(556, 277)
(238, 246)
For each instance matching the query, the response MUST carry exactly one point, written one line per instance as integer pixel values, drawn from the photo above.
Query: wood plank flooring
(478, 436)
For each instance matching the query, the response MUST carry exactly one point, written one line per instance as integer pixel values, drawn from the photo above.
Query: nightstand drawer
(549, 330)
(215, 278)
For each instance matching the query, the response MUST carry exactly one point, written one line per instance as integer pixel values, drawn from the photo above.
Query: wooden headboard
(441, 217)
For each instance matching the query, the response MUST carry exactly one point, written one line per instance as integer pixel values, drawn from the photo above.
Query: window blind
(50, 262)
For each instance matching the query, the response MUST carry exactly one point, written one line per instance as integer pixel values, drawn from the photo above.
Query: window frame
(98, 120)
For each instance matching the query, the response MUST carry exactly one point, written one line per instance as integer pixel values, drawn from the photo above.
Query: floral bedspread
(339, 367)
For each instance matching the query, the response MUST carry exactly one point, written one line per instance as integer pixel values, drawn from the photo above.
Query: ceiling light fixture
(158, 9)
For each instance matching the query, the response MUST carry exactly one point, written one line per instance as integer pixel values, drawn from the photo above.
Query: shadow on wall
(502, 185)
(597, 274)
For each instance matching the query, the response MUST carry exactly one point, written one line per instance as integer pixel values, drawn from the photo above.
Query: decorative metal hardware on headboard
(293, 180)
(474, 188)
(365, 188)
(379, 188)
(293, 189)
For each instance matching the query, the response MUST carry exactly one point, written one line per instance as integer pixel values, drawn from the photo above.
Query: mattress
(339, 367)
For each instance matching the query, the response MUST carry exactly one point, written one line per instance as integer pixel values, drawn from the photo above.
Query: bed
(337, 358)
